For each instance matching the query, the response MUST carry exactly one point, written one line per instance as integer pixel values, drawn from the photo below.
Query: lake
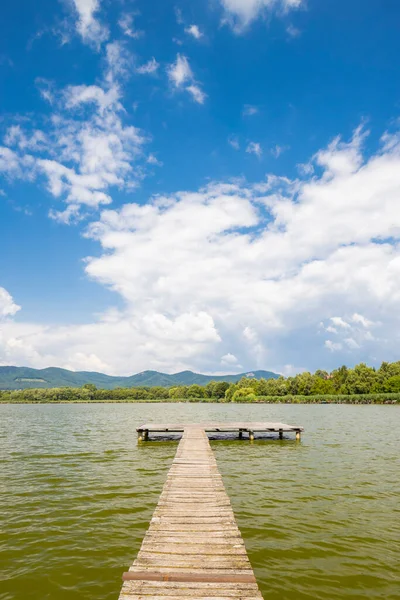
(320, 518)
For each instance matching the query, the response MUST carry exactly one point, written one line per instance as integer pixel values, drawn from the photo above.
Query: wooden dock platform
(213, 427)
(193, 548)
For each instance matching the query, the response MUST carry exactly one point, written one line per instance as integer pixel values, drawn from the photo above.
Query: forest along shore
(361, 385)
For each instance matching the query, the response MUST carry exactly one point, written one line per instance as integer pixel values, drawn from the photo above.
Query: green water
(320, 518)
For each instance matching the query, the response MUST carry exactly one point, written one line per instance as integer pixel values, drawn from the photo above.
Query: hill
(17, 378)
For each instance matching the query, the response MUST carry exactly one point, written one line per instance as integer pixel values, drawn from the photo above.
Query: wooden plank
(196, 549)
(175, 590)
(193, 537)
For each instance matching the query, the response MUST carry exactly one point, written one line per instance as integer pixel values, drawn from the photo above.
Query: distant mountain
(17, 378)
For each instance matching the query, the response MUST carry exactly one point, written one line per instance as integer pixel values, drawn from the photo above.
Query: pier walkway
(193, 548)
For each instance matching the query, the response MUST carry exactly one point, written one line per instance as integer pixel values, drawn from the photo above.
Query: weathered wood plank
(196, 549)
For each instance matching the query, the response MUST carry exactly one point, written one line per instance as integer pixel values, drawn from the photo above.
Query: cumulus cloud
(181, 76)
(352, 333)
(153, 160)
(234, 268)
(333, 346)
(240, 13)
(229, 359)
(87, 148)
(8, 307)
(194, 31)
(198, 95)
(118, 343)
(126, 23)
(254, 148)
(339, 322)
(148, 68)
(87, 24)
(180, 72)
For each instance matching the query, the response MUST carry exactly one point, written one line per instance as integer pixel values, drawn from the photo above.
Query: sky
(210, 185)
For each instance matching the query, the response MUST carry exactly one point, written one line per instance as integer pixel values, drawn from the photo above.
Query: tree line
(361, 384)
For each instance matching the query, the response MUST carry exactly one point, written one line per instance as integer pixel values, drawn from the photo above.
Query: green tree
(220, 388)
(360, 380)
(392, 384)
(248, 382)
(244, 394)
(339, 377)
(209, 389)
(321, 374)
(230, 391)
(305, 383)
(322, 386)
(178, 392)
(195, 391)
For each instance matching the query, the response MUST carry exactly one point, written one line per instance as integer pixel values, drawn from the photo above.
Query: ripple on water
(320, 519)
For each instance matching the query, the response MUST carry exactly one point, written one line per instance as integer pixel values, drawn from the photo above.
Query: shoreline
(163, 401)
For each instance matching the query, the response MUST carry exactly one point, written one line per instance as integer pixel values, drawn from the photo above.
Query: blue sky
(204, 185)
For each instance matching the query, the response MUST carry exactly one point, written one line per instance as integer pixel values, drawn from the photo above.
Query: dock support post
(298, 435)
(280, 434)
(251, 436)
(146, 435)
(240, 434)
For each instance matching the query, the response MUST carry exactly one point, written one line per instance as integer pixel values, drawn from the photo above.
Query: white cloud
(198, 95)
(356, 318)
(153, 160)
(76, 95)
(234, 142)
(305, 168)
(333, 346)
(354, 333)
(331, 329)
(8, 308)
(277, 150)
(229, 359)
(351, 343)
(88, 26)
(235, 268)
(181, 76)
(126, 23)
(249, 110)
(45, 88)
(9, 161)
(292, 31)
(118, 62)
(16, 137)
(86, 149)
(194, 31)
(180, 72)
(254, 148)
(139, 340)
(339, 322)
(148, 68)
(239, 13)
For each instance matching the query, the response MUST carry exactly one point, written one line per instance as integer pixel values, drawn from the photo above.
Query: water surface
(320, 518)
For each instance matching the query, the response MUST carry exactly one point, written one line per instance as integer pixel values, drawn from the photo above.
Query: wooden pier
(213, 427)
(193, 548)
